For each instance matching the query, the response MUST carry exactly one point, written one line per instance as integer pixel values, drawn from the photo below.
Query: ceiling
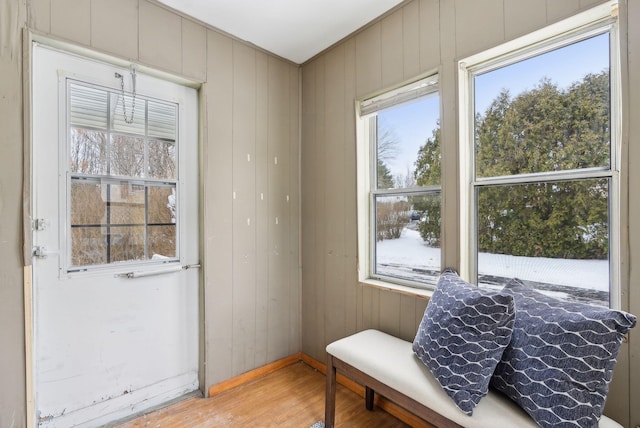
(293, 29)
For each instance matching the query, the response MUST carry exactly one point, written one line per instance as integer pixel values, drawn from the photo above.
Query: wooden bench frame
(373, 385)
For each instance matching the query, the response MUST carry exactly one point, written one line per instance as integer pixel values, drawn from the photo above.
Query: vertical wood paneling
(523, 16)
(160, 37)
(295, 302)
(368, 61)
(310, 286)
(367, 308)
(411, 39)
(71, 20)
(252, 296)
(631, 131)
(40, 15)
(407, 328)
(478, 25)
(389, 312)
(353, 292)
(584, 4)
(334, 206)
(430, 34)
(278, 155)
(244, 219)
(121, 39)
(449, 132)
(392, 52)
(557, 10)
(218, 220)
(194, 50)
(319, 246)
(262, 208)
(421, 306)
(13, 409)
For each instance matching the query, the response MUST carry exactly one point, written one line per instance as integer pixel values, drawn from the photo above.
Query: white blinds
(162, 120)
(401, 95)
(118, 122)
(90, 107)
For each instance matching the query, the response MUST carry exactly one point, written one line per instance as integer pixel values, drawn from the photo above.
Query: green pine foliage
(545, 129)
(429, 172)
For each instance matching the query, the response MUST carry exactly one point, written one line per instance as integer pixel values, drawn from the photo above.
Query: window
(399, 181)
(122, 177)
(540, 165)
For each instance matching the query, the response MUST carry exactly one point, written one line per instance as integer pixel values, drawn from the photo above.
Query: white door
(115, 204)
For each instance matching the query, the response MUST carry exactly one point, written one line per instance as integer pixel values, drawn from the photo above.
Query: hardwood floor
(290, 397)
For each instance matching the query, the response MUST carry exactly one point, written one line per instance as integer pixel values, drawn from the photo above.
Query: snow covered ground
(585, 280)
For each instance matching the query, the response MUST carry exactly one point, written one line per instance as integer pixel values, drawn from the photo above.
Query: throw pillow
(561, 357)
(461, 338)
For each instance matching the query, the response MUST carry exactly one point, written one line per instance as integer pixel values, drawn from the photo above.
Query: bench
(387, 365)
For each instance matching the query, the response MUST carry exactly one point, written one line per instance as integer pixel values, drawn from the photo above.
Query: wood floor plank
(289, 397)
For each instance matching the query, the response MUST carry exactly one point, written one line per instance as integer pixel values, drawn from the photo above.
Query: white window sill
(396, 288)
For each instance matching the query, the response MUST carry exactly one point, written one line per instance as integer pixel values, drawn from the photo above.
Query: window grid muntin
(118, 179)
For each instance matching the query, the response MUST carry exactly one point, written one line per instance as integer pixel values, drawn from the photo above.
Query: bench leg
(368, 397)
(330, 398)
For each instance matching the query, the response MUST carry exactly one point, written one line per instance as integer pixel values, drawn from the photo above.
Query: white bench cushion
(392, 361)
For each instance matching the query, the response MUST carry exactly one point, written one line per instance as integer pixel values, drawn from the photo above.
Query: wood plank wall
(12, 308)
(419, 37)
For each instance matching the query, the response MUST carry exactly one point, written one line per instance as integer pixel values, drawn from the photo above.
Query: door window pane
(162, 204)
(162, 159)
(127, 156)
(88, 203)
(88, 152)
(162, 241)
(123, 165)
(88, 246)
(126, 243)
(121, 222)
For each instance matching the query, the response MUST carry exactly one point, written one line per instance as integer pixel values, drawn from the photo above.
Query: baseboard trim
(380, 402)
(253, 374)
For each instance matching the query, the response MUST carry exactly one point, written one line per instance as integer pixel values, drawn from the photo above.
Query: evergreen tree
(385, 180)
(428, 172)
(545, 129)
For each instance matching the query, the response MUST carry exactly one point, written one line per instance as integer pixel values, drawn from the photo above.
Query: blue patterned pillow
(561, 357)
(462, 336)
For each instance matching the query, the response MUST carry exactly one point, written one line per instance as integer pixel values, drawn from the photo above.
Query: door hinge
(40, 224)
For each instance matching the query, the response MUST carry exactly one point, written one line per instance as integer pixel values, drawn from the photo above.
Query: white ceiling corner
(293, 29)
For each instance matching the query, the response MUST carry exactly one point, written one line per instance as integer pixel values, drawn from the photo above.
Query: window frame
(599, 20)
(67, 268)
(366, 110)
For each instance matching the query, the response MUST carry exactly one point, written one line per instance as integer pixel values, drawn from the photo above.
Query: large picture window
(122, 177)
(540, 165)
(402, 190)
